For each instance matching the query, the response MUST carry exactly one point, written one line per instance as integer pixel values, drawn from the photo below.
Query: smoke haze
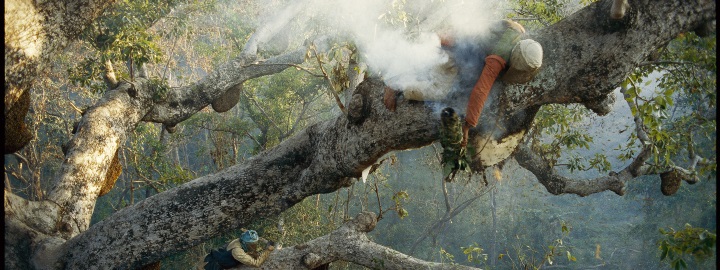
(405, 53)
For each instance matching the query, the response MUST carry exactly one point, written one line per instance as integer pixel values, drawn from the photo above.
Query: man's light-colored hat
(525, 61)
(527, 55)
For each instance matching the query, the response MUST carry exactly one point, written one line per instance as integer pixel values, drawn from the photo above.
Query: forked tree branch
(349, 243)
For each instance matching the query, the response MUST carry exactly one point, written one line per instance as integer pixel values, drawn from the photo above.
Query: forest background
(500, 219)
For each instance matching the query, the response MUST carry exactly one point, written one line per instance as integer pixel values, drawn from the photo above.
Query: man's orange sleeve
(493, 65)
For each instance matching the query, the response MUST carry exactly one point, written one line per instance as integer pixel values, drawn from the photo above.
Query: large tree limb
(320, 159)
(104, 128)
(35, 31)
(594, 54)
(348, 243)
(586, 56)
(558, 184)
(183, 102)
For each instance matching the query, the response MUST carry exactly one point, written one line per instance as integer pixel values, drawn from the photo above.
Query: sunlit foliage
(679, 246)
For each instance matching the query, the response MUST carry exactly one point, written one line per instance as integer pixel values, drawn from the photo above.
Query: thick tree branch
(35, 31)
(105, 126)
(594, 54)
(183, 102)
(558, 184)
(595, 70)
(320, 159)
(28, 212)
(348, 243)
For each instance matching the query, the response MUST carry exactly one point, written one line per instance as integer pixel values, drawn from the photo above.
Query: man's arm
(240, 255)
(494, 64)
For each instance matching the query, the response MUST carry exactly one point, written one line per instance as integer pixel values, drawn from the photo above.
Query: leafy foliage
(531, 258)
(558, 123)
(446, 256)
(687, 79)
(397, 14)
(541, 13)
(678, 246)
(86, 74)
(281, 105)
(475, 253)
(399, 198)
(123, 35)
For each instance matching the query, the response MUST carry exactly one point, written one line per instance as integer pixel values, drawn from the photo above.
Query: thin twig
(75, 108)
(299, 67)
(275, 125)
(665, 62)
(377, 195)
(172, 50)
(448, 207)
(332, 89)
(298, 119)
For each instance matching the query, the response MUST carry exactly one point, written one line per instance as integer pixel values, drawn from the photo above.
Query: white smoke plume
(407, 54)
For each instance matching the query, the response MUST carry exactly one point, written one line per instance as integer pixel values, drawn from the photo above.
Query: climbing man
(522, 58)
(242, 250)
(505, 50)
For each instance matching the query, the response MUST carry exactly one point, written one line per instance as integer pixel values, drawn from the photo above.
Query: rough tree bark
(348, 243)
(586, 57)
(35, 31)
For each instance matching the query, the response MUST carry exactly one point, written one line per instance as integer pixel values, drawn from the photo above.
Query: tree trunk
(586, 56)
(34, 32)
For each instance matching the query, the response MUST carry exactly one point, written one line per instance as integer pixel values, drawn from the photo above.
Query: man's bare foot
(389, 98)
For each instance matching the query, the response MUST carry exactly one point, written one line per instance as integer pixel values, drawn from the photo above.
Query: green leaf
(402, 213)
(683, 264)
